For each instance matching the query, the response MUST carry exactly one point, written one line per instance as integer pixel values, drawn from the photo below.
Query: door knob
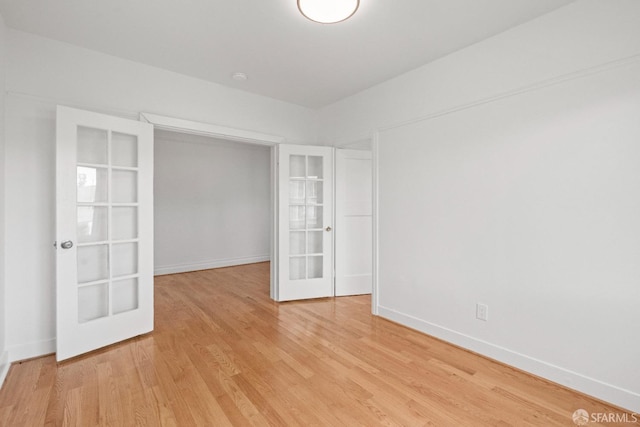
(67, 244)
(328, 229)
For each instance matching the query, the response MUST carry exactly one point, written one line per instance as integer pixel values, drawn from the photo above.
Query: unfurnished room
(320, 212)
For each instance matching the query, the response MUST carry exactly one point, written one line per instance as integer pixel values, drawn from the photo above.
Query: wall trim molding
(53, 102)
(162, 270)
(609, 393)
(541, 84)
(375, 217)
(208, 129)
(31, 350)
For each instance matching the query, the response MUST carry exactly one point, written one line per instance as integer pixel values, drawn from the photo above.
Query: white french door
(104, 230)
(305, 222)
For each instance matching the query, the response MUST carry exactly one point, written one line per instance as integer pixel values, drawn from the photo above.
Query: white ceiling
(286, 56)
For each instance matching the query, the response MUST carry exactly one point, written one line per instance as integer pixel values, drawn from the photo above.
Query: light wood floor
(223, 354)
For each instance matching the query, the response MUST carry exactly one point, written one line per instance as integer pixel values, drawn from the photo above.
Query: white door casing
(305, 222)
(104, 230)
(354, 246)
(174, 124)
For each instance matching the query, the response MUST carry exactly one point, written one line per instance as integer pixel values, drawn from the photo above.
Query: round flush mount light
(328, 11)
(239, 77)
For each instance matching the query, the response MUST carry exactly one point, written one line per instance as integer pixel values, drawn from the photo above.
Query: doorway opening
(242, 231)
(186, 128)
(212, 202)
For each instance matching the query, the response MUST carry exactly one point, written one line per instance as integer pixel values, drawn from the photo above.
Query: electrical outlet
(482, 311)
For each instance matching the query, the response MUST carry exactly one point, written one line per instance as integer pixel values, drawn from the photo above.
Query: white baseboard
(4, 367)
(160, 270)
(609, 393)
(31, 350)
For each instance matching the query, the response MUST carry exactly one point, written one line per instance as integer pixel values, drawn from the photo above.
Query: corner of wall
(4, 364)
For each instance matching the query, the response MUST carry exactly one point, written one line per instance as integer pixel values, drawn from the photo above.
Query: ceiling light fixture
(328, 11)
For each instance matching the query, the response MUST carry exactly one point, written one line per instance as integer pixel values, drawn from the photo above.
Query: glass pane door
(107, 223)
(305, 217)
(305, 180)
(104, 230)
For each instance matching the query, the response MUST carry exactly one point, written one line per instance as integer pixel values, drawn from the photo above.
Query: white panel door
(354, 250)
(104, 220)
(305, 218)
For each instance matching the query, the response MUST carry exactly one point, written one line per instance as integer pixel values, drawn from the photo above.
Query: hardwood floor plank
(109, 403)
(241, 401)
(265, 391)
(72, 409)
(224, 354)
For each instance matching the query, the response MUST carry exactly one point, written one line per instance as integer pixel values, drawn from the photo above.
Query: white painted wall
(523, 199)
(67, 74)
(581, 35)
(4, 365)
(529, 204)
(42, 73)
(212, 202)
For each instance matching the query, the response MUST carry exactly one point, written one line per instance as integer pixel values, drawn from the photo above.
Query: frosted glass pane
(92, 146)
(124, 223)
(297, 167)
(92, 185)
(125, 259)
(92, 224)
(315, 242)
(297, 242)
(124, 295)
(93, 302)
(314, 216)
(93, 263)
(124, 150)
(315, 267)
(296, 192)
(124, 186)
(296, 217)
(314, 192)
(315, 167)
(297, 267)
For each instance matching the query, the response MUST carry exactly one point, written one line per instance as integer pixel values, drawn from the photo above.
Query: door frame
(239, 135)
